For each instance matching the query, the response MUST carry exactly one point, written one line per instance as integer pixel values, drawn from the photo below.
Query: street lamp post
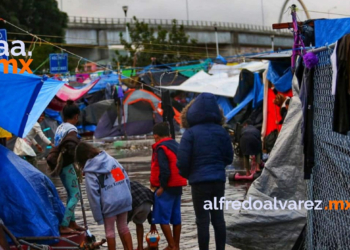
(216, 37)
(125, 9)
(331, 9)
(187, 12)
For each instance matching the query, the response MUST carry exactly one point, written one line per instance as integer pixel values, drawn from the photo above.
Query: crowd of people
(200, 159)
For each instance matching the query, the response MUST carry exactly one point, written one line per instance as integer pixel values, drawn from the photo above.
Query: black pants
(203, 192)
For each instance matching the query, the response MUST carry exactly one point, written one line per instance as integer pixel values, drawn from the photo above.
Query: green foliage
(146, 42)
(40, 17)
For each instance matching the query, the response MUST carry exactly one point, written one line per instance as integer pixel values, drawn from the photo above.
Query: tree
(40, 17)
(167, 46)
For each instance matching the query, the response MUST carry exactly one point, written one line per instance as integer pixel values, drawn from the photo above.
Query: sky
(239, 11)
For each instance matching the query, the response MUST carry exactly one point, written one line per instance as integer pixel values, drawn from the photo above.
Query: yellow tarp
(5, 134)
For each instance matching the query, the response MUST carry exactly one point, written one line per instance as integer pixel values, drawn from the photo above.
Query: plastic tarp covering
(69, 93)
(256, 95)
(282, 178)
(280, 75)
(191, 70)
(236, 69)
(220, 84)
(112, 79)
(240, 106)
(26, 94)
(258, 91)
(55, 115)
(328, 31)
(224, 104)
(30, 205)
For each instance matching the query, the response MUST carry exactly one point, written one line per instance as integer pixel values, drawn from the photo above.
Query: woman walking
(204, 152)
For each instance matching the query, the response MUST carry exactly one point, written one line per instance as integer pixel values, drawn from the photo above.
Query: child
(168, 183)
(142, 201)
(66, 170)
(108, 191)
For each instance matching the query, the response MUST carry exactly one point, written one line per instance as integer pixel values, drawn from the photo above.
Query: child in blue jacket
(204, 152)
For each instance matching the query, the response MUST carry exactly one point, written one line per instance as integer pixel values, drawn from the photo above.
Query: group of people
(200, 158)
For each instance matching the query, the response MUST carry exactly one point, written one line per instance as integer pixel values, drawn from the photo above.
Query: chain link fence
(328, 229)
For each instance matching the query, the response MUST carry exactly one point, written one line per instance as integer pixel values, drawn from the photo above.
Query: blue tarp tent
(280, 74)
(29, 203)
(24, 98)
(256, 95)
(328, 31)
(224, 104)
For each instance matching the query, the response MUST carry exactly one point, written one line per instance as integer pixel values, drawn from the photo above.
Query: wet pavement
(138, 169)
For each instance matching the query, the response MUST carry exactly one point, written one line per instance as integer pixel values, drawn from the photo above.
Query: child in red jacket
(168, 183)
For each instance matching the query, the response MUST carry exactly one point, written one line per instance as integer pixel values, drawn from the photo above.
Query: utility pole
(217, 41)
(188, 16)
(262, 12)
(125, 9)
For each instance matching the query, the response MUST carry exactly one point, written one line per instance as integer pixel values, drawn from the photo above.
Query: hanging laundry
(307, 100)
(334, 68)
(341, 114)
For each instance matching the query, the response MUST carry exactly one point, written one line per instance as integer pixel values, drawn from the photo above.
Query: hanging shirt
(23, 146)
(334, 68)
(341, 114)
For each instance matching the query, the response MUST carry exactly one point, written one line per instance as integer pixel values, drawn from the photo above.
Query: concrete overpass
(90, 36)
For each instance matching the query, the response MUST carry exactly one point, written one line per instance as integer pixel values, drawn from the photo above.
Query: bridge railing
(192, 23)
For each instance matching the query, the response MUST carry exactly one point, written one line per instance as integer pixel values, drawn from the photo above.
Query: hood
(102, 163)
(204, 109)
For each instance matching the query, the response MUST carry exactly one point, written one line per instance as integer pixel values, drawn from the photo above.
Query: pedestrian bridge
(232, 37)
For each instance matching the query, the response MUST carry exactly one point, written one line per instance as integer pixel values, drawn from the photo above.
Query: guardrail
(191, 23)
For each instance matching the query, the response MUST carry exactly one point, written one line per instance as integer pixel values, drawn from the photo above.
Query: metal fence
(165, 22)
(330, 180)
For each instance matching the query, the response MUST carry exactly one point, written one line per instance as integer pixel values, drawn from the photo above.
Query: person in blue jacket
(204, 152)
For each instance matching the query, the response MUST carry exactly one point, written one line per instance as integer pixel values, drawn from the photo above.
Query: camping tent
(30, 205)
(24, 98)
(140, 112)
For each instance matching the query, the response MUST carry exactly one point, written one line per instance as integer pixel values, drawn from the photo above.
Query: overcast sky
(240, 11)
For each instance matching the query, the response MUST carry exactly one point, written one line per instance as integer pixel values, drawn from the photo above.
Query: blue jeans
(203, 192)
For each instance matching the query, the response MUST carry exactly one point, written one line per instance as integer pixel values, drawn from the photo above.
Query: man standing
(23, 146)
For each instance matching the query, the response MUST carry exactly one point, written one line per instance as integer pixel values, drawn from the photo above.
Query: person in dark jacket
(250, 144)
(204, 152)
(168, 183)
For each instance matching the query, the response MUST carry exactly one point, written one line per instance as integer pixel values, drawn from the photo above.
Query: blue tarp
(24, 94)
(112, 79)
(328, 31)
(29, 202)
(256, 95)
(54, 115)
(240, 106)
(258, 91)
(220, 60)
(224, 104)
(280, 75)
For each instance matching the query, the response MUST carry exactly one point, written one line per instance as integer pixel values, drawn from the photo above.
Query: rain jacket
(205, 148)
(107, 187)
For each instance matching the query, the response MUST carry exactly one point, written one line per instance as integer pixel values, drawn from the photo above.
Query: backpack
(270, 140)
(63, 154)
